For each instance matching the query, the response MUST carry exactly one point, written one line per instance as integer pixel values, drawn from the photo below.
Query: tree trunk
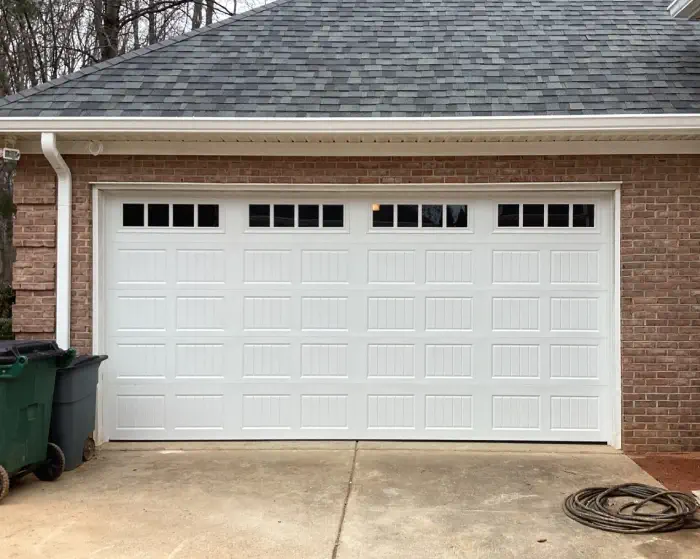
(97, 19)
(109, 47)
(135, 26)
(210, 11)
(197, 14)
(152, 29)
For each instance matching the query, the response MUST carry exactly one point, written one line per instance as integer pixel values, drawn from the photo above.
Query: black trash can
(74, 402)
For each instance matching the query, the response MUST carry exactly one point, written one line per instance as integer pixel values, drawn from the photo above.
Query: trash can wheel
(88, 449)
(4, 483)
(55, 463)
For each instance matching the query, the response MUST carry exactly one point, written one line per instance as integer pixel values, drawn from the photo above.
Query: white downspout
(63, 237)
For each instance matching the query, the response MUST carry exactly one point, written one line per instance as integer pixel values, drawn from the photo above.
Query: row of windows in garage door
(429, 216)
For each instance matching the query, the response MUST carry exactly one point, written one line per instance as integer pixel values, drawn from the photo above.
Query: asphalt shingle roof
(399, 58)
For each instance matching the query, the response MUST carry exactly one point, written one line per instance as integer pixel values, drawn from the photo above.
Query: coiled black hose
(642, 515)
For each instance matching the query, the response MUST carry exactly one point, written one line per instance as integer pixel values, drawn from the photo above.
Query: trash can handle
(66, 357)
(16, 369)
(7, 360)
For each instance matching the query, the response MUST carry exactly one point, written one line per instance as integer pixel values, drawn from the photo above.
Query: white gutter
(63, 238)
(685, 9)
(424, 125)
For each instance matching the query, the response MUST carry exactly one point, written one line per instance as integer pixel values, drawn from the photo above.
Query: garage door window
(419, 216)
(309, 215)
(431, 215)
(302, 216)
(183, 215)
(533, 215)
(546, 215)
(583, 215)
(158, 215)
(170, 215)
(132, 215)
(284, 215)
(558, 215)
(407, 215)
(208, 215)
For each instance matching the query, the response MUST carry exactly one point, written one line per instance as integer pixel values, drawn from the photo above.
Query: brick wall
(660, 253)
(34, 271)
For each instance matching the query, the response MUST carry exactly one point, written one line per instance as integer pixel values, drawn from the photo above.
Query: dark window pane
(258, 215)
(183, 215)
(456, 215)
(508, 215)
(308, 215)
(382, 215)
(533, 215)
(584, 215)
(407, 215)
(284, 215)
(558, 215)
(207, 215)
(432, 216)
(158, 215)
(333, 215)
(132, 215)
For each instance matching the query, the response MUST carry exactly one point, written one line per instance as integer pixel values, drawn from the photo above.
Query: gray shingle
(326, 58)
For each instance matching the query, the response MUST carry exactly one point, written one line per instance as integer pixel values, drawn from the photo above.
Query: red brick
(660, 251)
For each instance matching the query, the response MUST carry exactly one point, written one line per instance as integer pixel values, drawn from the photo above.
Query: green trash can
(27, 378)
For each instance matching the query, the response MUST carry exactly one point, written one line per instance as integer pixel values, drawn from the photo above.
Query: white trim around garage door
(98, 204)
(362, 188)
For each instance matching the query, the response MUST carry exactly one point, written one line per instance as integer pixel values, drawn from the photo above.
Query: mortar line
(351, 480)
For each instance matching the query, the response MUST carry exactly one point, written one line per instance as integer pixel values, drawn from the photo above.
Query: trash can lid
(83, 361)
(10, 348)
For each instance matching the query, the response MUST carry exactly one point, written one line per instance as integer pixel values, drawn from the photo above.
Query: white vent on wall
(10, 154)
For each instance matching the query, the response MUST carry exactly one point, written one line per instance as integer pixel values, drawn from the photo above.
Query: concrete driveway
(325, 500)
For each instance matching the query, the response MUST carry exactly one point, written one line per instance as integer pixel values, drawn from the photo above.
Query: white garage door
(462, 317)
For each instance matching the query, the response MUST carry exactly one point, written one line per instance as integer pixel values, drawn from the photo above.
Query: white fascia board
(643, 124)
(371, 148)
(685, 9)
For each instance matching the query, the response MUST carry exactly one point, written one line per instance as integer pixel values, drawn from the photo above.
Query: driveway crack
(351, 480)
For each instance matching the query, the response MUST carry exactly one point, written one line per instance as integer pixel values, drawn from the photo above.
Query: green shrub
(7, 298)
(6, 329)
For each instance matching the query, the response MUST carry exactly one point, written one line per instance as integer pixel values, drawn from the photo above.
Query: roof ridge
(91, 69)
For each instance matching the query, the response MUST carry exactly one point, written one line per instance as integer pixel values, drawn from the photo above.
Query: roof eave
(685, 9)
(628, 123)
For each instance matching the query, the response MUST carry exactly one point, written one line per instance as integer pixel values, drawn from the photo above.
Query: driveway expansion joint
(351, 479)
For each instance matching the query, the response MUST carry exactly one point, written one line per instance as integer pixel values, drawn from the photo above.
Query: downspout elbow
(63, 237)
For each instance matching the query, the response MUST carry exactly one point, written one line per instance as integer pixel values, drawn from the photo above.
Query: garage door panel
(383, 412)
(145, 313)
(201, 267)
(248, 333)
(135, 359)
(199, 409)
(159, 266)
(136, 266)
(449, 359)
(578, 360)
(138, 411)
